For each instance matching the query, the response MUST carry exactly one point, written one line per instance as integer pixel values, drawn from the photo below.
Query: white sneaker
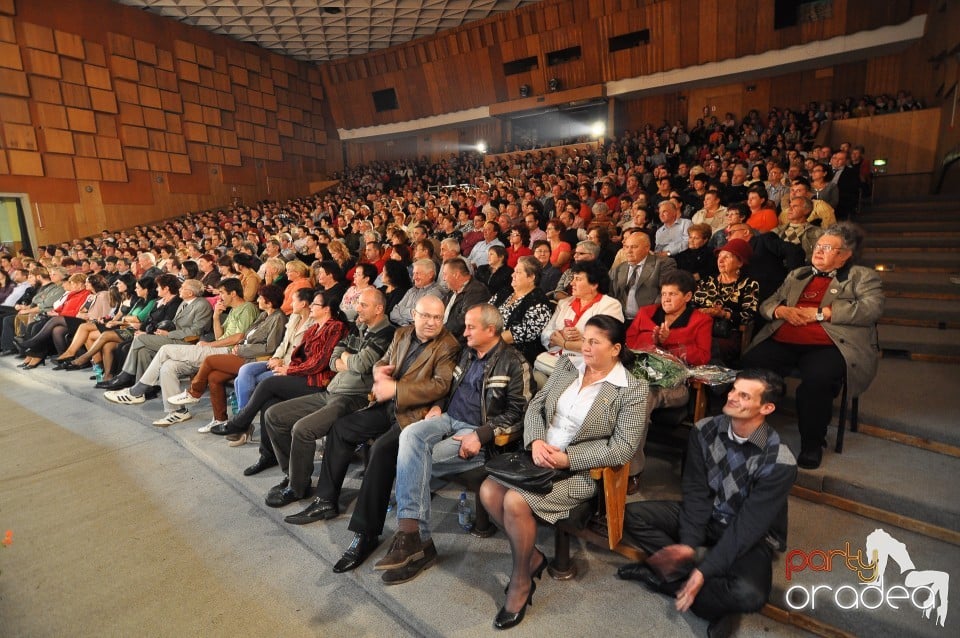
(209, 426)
(123, 397)
(184, 398)
(173, 417)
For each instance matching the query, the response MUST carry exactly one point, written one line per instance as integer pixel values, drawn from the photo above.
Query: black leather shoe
(810, 459)
(361, 547)
(152, 393)
(282, 498)
(119, 382)
(724, 626)
(279, 487)
(261, 465)
(319, 510)
(507, 619)
(229, 427)
(633, 484)
(641, 572)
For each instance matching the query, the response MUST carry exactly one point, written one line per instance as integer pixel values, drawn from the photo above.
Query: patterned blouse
(524, 318)
(741, 297)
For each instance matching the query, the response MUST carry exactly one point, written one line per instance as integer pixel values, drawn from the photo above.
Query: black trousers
(268, 392)
(822, 371)
(652, 525)
(374, 422)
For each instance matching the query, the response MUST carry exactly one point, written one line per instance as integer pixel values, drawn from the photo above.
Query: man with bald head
(636, 281)
(411, 377)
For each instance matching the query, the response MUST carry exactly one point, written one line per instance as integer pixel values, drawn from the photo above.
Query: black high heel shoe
(507, 619)
(31, 366)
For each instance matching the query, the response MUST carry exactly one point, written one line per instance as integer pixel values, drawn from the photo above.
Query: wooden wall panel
(110, 89)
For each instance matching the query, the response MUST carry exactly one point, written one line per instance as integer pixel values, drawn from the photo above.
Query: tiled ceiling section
(321, 30)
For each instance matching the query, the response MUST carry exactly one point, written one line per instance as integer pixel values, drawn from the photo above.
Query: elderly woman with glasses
(524, 308)
(823, 321)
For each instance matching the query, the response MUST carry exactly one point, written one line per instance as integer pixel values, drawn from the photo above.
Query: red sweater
(311, 359)
(690, 342)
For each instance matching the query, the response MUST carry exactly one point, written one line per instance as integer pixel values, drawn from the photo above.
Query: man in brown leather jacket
(413, 375)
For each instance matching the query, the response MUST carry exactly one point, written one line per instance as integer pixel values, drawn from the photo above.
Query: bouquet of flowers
(659, 368)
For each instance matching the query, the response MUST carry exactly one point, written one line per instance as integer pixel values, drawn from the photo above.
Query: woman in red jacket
(673, 325)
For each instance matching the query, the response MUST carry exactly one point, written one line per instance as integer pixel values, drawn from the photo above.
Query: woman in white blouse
(588, 415)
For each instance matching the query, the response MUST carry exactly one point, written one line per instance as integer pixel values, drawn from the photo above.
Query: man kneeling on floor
(414, 374)
(713, 550)
(490, 392)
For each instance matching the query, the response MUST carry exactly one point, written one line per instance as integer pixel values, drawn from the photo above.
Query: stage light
(553, 85)
(524, 90)
(482, 146)
(598, 129)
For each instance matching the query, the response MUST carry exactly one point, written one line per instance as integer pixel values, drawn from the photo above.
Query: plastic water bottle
(98, 372)
(464, 513)
(232, 404)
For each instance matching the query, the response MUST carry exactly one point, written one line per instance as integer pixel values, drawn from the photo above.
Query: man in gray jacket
(294, 426)
(193, 319)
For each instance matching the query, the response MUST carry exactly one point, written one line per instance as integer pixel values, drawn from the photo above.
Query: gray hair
(489, 316)
(193, 286)
(588, 246)
(805, 203)
(451, 244)
(426, 265)
(600, 208)
(851, 237)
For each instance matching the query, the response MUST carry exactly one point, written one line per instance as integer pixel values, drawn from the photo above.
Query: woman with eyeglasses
(823, 321)
(308, 371)
(821, 187)
(519, 240)
(524, 308)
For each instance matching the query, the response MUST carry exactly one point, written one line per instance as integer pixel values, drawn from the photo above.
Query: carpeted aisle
(103, 545)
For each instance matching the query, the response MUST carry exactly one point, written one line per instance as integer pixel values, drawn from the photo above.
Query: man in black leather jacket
(489, 394)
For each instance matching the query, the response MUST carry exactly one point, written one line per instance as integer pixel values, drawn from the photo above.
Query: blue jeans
(247, 379)
(427, 451)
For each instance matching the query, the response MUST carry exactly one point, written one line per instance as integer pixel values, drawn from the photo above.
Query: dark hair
(679, 278)
(404, 251)
(425, 244)
(244, 260)
(398, 274)
(303, 294)
(272, 295)
(98, 282)
(335, 312)
(331, 267)
(458, 264)
(743, 209)
(168, 281)
(149, 284)
(500, 251)
(231, 284)
(129, 281)
(369, 271)
(616, 332)
(540, 242)
(596, 274)
(773, 386)
(192, 268)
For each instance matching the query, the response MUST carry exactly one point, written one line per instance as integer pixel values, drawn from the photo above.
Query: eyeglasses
(827, 248)
(318, 305)
(428, 317)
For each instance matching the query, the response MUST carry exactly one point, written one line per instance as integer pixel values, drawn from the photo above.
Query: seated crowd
(434, 320)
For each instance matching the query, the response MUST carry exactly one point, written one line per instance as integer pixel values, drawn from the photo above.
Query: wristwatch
(819, 316)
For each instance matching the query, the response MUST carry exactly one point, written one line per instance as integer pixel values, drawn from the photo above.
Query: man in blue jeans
(489, 394)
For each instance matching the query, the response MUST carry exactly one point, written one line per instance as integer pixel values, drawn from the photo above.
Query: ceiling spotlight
(553, 85)
(332, 10)
(524, 90)
(482, 146)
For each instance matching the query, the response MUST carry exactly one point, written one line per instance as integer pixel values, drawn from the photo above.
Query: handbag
(517, 469)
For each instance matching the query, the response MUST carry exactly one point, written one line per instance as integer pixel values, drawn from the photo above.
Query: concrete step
(915, 398)
(905, 242)
(919, 285)
(875, 228)
(920, 343)
(913, 261)
(922, 312)
(818, 528)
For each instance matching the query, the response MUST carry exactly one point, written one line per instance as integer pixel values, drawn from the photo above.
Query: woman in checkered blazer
(586, 416)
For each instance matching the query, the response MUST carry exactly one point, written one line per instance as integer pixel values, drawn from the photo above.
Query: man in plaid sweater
(713, 550)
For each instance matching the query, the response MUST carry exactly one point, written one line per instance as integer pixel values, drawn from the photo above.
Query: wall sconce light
(880, 166)
(524, 90)
(553, 85)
